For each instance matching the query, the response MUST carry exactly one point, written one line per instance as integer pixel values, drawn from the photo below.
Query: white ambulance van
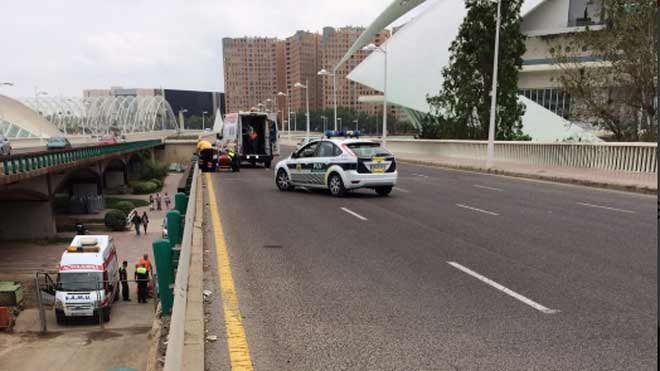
(87, 279)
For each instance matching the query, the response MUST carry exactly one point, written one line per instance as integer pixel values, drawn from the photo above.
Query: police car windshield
(79, 281)
(367, 149)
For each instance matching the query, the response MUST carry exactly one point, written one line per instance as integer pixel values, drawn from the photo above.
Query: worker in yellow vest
(142, 278)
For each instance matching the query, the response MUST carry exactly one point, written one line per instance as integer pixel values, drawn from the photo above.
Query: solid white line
(605, 207)
(401, 190)
(491, 188)
(507, 291)
(354, 213)
(479, 210)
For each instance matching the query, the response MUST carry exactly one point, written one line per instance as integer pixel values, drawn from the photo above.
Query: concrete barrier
(630, 157)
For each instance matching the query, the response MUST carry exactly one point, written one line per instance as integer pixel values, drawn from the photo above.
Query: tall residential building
(302, 65)
(250, 71)
(280, 63)
(334, 45)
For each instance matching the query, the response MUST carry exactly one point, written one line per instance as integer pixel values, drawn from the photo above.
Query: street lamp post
(323, 119)
(306, 87)
(372, 47)
(490, 150)
(203, 114)
(288, 109)
(339, 119)
(181, 121)
(324, 72)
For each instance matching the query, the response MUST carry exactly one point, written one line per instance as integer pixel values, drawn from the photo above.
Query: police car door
(324, 155)
(300, 167)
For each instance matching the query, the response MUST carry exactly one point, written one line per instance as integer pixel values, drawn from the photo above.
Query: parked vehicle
(87, 279)
(253, 135)
(339, 165)
(58, 143)
(5, 146)
(106, 141)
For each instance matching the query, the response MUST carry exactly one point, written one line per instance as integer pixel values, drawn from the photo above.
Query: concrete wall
(114, 178)
(27, 220)
(180, 151)
(538, 79)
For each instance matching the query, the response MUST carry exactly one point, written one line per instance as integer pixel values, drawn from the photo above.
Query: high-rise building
(334, 45)
(250, 71)
(302, 65)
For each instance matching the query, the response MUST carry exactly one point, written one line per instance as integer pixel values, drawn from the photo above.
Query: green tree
(618, 91)
(464, 100)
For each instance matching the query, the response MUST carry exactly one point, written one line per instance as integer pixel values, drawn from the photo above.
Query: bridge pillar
(27, 210)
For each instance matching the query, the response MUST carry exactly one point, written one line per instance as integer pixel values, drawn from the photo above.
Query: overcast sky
(62, 47)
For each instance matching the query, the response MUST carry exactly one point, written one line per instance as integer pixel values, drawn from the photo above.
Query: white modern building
(418, 52)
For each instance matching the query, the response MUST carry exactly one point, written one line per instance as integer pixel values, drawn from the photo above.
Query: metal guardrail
(630, 157)
(25, 163)
(174, 353)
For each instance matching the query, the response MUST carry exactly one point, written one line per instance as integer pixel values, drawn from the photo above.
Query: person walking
(167, 201)
(151, 203)
(145, 221)
(137, 221)
(158, 201)
(123, 277)
(142, 278)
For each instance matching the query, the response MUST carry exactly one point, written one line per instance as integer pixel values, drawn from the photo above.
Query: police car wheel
(282, 181)
(336, 185)
(383, 190)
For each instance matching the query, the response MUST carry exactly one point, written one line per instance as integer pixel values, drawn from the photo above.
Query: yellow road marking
(239, 353)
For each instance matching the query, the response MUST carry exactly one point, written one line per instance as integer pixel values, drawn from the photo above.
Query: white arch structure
(102, 115)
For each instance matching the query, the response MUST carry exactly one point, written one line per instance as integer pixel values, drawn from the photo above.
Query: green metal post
(163, 260)
(181, 202)
(174, 227)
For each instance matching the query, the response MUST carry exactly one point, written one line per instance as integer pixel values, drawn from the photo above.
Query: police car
(339, 165)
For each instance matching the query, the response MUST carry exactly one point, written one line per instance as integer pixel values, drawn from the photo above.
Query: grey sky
(63, 47)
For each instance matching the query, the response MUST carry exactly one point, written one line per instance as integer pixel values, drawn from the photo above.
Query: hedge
(125, 206)
(158, 182)
(111, 202)
(115, 220)
(144, 188)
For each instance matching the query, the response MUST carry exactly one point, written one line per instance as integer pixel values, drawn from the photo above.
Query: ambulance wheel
(60, 317)
(106, 315)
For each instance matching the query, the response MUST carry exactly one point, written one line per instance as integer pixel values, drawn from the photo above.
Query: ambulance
(87, 279)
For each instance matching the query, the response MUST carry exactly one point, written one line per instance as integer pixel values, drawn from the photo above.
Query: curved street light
(370, 48)
(325, 72)
(301, 86)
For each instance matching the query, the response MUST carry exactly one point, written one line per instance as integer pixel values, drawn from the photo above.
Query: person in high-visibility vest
(142, 278)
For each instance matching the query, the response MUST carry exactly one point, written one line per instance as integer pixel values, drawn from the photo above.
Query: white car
(304, 141)
(339, 165)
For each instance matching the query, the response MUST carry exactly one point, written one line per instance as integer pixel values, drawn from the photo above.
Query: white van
(237, 131)
(87, 279)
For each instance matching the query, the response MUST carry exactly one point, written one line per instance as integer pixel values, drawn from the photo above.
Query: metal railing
(629, 157)
(24, 163)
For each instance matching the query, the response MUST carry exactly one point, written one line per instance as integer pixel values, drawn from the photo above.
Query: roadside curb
(558, 179)
(193, 341)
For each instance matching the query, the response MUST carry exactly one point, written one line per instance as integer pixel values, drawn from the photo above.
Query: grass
(111, 202)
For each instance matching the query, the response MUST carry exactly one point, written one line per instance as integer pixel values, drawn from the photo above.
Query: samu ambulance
(87, 279)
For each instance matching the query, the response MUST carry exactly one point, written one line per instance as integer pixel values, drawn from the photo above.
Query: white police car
(338, 165)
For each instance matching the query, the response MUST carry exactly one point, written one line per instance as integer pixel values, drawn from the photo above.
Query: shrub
(158, 182)
(125, 206)
(115, 220)
(111, 202)
(150, 170)
(144, 188)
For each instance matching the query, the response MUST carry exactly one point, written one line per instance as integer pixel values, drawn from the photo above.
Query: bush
(158, 182)
(115, 220)
(111, 202)
(144, 188)
(150, 170)
(125, 206)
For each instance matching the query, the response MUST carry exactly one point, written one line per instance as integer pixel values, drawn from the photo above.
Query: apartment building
(250, 71)
(303, 56)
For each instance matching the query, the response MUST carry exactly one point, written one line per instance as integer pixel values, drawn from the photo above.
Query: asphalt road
(453, 271)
